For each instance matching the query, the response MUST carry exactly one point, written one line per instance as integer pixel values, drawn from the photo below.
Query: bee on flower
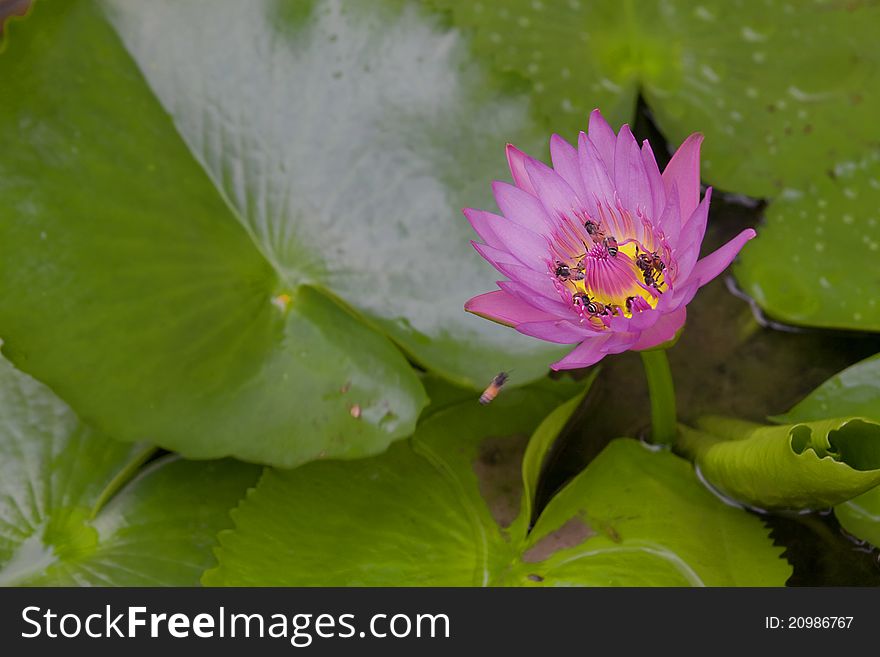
(601, 250)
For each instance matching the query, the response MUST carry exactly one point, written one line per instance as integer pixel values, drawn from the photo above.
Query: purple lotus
(601, 250)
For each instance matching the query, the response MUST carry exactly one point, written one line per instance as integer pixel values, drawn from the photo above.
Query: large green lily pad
(768, 83)
(76, 510)
(446, 509)
(171, 173)
(815, 263)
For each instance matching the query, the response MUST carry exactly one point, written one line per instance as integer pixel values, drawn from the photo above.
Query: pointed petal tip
(516, 161)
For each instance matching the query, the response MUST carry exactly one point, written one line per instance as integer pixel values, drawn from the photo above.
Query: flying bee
(610, 244)
(494, 387)
(594, 231)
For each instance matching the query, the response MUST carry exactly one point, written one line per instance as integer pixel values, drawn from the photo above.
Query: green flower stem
(663, 423)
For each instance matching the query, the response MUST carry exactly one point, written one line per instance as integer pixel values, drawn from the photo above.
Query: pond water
(730, 360)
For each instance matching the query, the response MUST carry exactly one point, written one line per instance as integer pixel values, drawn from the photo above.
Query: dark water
(729, 361)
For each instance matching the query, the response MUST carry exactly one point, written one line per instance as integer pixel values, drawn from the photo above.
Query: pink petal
(521, 207)
(687, 250)
(602, 137)
(597, 180)
(539, 282)
(717, 261)
(681, 296)
(501, 307)
(516, 161)
(552, 305)
(561, 331)
(684, 170)
(556, 194)
(670, 219)
(655, 181)
(663, 330)
(630, 179)
(529, 248)
(565, 162)
(644, 320)
(484, 227)
(495, 257)
(592, 350)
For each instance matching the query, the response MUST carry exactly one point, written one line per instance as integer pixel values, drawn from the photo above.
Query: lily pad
(815, 261)
(445, 509)
(860, 516)
(76, 510)
(197, 231)
(767, 83)
(854, 391)
(576, 55)
(360, 196)
(807, 465)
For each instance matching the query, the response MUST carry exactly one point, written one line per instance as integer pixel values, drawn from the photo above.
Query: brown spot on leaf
(499, 475)
(574, 532)
(345, 387)
(535, 577)
(808, 129)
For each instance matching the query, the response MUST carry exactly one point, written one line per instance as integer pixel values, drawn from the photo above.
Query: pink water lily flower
(600, 250)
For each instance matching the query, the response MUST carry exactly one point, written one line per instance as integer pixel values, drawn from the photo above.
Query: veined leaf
(446, 508)
(72, 511)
